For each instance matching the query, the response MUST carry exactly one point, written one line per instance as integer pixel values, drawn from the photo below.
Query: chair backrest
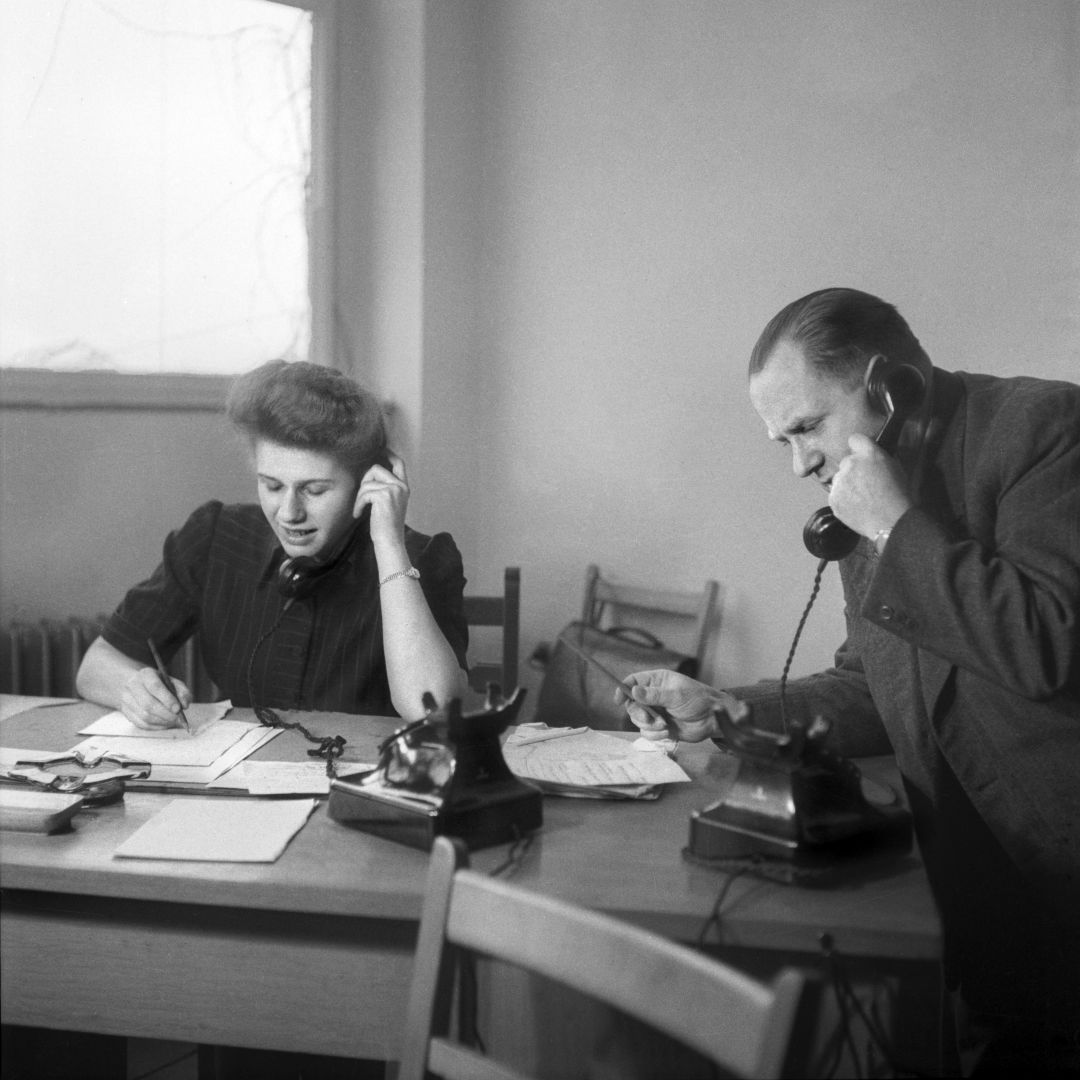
(608, 603)
(503, 612)
(745, 1026)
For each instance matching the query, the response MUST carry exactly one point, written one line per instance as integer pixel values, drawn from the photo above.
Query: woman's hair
(838, 331)
(309, 407)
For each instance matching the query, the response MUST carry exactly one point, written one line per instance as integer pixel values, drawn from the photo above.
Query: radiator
(42, 658)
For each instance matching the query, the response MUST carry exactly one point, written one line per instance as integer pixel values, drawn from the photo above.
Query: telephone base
(712, 836)
(498, 813)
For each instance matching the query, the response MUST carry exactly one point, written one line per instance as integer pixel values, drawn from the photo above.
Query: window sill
(33, 388)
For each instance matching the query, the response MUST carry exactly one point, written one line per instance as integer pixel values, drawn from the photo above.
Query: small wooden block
(36, 811)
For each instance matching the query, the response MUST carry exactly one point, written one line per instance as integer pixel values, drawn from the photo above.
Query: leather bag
(587, 664)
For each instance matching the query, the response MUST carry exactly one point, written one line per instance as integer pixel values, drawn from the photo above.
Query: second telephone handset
(896, 390)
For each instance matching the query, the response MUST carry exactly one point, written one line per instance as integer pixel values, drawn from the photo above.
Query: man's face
(812, 414)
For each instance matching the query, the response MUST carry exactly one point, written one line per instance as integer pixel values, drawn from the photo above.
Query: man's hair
(309, 407)
(838, 331)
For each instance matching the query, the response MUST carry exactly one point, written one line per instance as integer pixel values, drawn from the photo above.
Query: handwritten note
(286, 777)
(201, 748)
(588, 759)
(200, 717)
(248, 743)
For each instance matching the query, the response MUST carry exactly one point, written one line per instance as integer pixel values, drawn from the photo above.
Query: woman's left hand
(386, 491)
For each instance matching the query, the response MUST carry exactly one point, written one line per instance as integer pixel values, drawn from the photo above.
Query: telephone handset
(298, 575)
(896, 390)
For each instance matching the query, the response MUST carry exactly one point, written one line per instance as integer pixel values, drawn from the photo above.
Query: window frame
(43, 388)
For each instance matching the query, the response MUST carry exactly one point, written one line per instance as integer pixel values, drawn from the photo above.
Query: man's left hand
(869, 490)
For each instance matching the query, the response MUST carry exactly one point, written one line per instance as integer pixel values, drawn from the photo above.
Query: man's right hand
(688, 703)
(147, 703)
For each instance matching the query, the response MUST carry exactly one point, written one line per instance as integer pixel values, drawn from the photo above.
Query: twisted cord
(330, 747)
(795, 641)
(515, 855)
(714, 915)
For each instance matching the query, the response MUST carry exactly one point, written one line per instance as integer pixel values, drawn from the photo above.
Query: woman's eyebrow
(299, 483)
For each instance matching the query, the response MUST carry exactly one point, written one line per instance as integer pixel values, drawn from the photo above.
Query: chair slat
(607, 603)
(497, 611)
(456, 1062)
(617, 963)
(748, 1027)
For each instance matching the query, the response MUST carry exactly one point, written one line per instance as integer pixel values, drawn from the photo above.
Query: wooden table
(314, 952)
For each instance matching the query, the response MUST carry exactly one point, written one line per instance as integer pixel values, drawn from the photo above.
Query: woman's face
(307, 497)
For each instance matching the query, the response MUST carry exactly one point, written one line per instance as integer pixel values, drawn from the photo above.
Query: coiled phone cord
(795, 641)
(329, 747)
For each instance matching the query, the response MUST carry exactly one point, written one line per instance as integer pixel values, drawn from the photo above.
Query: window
(156, 190)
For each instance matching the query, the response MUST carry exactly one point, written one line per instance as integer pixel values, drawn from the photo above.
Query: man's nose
(804, 461)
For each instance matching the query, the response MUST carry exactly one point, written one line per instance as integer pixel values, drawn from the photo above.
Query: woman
(319, 598)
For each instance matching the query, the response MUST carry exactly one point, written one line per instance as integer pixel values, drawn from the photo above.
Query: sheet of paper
(537, 732)
(199, 748)
(587, 759)
(286, 777)
(200, 716)
(206, 774)
(595, 791)
(219, 830)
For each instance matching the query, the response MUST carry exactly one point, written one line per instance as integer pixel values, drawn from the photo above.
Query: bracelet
(411, 572)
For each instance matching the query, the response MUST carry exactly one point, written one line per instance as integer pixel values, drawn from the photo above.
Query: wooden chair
(610, 604)
(504, 612)
(745, 1026)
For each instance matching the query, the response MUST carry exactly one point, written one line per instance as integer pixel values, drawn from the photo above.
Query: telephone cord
(795, 641)
(330, 747)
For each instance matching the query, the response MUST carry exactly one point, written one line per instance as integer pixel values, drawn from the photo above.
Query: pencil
(167, 680)
(647, 709)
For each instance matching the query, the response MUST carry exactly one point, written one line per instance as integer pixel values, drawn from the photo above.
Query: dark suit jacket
(964, 645)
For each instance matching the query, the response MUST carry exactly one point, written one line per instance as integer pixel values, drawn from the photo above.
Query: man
(962, 601)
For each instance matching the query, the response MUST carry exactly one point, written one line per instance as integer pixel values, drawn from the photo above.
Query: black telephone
(443, 774)
(794, 807)
(896, 390)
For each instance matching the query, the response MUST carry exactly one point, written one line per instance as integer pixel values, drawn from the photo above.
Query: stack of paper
(177, 756)
(29, 810)
(277, 778)
(588, 764)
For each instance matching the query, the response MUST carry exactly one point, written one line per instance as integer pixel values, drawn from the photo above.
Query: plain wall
(87, 496)
(658, 180)
(563, 224)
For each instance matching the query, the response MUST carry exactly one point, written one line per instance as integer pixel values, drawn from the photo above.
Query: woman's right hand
(145, 700)
(688, 704)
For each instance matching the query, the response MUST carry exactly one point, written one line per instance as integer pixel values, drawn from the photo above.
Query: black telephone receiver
(298, 575)
(896, 390)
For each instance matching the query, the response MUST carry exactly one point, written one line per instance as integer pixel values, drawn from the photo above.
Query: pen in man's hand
(654, 712)
(167, 681)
